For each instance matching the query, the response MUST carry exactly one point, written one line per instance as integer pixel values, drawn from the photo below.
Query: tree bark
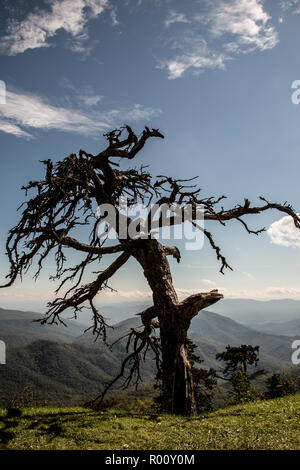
(177, 379)
(174, 319)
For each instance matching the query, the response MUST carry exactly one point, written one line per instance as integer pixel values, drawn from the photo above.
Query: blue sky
(214, 76)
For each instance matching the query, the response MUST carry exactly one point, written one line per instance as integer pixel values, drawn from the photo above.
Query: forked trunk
(177, 380)
(174, 319)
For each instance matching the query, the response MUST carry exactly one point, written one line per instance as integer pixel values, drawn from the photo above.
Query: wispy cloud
(136, 295)
(267, 293)
(217, 33)
(207, 283)
(246, 23)
(40, 26)
(194, 54)
(41, 296)
(91, 100)
(9, 128)
(283, 292)
(294, 5)
(283, 232)
(175, 17)
(24, 113)
(83, 94)
(289, 6)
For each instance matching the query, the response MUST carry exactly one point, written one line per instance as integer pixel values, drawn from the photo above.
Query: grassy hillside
(272, 424)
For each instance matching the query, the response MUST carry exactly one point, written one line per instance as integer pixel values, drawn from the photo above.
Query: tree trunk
(174, 321)
(177, 379)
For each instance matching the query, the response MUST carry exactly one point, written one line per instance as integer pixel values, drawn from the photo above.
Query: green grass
(272, 424)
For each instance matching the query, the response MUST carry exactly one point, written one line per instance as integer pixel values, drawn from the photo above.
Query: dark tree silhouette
(238, 356)
(65, 203)
(280, 384)
(237, 360)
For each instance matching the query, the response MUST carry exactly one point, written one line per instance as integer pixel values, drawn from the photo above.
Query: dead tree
(65, 203)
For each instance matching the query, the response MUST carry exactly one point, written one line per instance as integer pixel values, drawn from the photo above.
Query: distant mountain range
(257, 312)
(288, 328)
(246, 311)
(66, 365)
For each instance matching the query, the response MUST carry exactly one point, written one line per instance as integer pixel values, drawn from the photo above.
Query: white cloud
(288, 6)
(207, 283)
(32, 112)
(145, 296)
(283, 292)
(24, 112)
(83, 93)
(9, 128)
(218, 32)
(283, 232)
(91, 100)
(41, 25)
(268, 293)
(246, 21)
(194, 54)
(126, 295)
(176, 67)
(175, 17)
(294, 5)
(137, 112)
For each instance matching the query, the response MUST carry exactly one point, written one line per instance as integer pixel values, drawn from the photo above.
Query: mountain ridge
(65, 364)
